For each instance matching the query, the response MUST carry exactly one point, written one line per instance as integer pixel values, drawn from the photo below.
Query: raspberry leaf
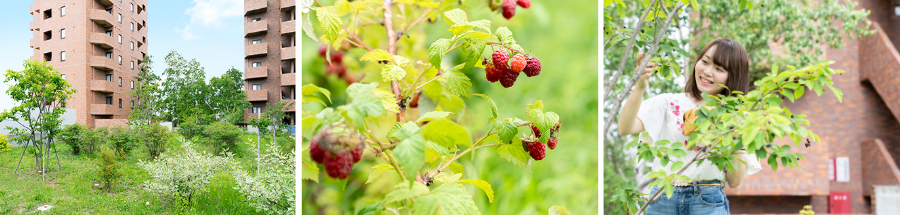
(455, 17)
(456, 82)
(377, 55)
(308, 91)
(387, 100)
(406, 190)
(364, 104)
(460, 28)
(515, 153)
(558, 210)
(446, 133)
(449, 198)
(483, 185)
(402, 131)
(456, 167)
(494, 109)
(392, 73)
(331, 23)
(436, 51)
(505, 36)
(410, 153)
(506, 130)
(310, 169)
(434, 115)
(474, 48)
(377, 170)
(483, 24)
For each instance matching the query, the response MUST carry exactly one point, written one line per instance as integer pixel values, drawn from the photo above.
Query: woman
(722, 61)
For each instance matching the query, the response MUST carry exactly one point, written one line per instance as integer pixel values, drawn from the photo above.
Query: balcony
(34, 27)
(881, 70)
(257, 95)
(103, 86)
(255, 6)
(103, 63)
(102, 109)
(102, 17)
(103, 40)
(289, 79)
(255, 28)
(289, 53)
(256, 72)
(289, 27)
(34, 44)
(288, 4)
(253, 50)
(105, 3)
(291, 105)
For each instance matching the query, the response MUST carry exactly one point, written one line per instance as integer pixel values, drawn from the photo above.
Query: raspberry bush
(421, 98)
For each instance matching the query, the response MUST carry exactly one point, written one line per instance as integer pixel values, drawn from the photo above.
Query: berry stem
(386, 155)
(411, 88)
(361, 43)
(422, 17)
(392, 49)
(507, 47)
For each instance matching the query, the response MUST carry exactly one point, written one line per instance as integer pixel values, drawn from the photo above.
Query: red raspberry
(508, 77)
(536, 149)
(357, 154)
(517, 63)
(337, 57)
(339, 165)
(501, 59)
(509, 8)
(322, 50)
(491, 73)
(317, 154)
(537, 132)
(533, 68)
(525, 3)
(552, 143)
(415, 101)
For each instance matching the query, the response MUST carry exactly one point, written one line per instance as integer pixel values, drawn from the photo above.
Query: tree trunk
(20, 158)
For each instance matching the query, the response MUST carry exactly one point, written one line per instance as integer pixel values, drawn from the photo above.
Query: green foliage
(91, 140)
(107, 168)
(122, 140)
(227, 96)
(4, 143)
(272, 189)
(155, 138)
(189, 128)
(69, 135)
(179, 177)
(222, 137)
(146, 95)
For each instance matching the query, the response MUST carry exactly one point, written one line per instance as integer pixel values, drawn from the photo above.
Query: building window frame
(256, 87)
(256, 110)
(120, 59)
(109, 100)
(120, 39)
(109, 77)
(254, 42)
(62, 33)
(120, 18)
(62, 56)
(256, 64)
(62, 11)
(120, 81)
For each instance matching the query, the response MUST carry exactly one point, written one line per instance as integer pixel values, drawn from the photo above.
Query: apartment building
(269, 54)
(98, 46)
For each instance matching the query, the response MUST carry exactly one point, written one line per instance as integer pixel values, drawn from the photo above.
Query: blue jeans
(692, 200)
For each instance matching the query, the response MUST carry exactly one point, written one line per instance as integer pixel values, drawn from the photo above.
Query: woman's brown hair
(733, 58)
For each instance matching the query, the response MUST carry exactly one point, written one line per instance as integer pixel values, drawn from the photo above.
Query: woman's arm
(735, 177)
(629, 123)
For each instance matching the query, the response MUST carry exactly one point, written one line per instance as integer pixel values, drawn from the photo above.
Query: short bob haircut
(733, 58)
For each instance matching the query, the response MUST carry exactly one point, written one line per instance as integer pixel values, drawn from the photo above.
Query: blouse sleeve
(752, 161)
(652, 114)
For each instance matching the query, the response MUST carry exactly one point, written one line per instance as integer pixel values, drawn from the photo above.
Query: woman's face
(708, 75)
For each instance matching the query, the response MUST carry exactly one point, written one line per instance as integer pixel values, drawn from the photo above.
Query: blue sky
(210, 31)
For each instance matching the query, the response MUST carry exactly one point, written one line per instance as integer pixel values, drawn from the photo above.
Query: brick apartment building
(98, 46)
(863, 131)
(269, 54)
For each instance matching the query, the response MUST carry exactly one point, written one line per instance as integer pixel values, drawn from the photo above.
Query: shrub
(272, 189)
(90, 140)
(222, 137)
(189, 128)
(181, 176)
(69, 135)
(107, 168)
(4, 143)
(154, 137)
(122, 140)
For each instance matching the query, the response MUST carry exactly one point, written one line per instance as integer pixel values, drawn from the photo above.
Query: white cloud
(210, 13)
(187, 33)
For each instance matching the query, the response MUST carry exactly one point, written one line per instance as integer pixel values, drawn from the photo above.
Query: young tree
(39, 90)
(184, 90)
(270, 118)
(146, 95)
(227, 96)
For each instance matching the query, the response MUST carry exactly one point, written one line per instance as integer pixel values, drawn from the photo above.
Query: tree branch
(634, 34)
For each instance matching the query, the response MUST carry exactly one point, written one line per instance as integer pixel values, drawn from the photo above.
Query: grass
(69, 189)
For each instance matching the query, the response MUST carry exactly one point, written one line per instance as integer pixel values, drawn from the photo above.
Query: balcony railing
(102, 17)
(256, 72)
(103, 86)
(103, 40)
(288, 27)
(289, 79)
(102, 109)
(255, 28)
(286, 4)
(289, 53)
(257, 95)
(103, 63)
(881, 67)
(255, 6)
(255, 50)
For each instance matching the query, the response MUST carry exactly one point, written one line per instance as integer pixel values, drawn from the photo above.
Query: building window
(63, 76)
(109, 55)
(132, 7)
(132, 45)
(120, 59)
(109, 100)
(109, 11)
(62, 56)
(109, 77)
(255, 19)
(109, 33)
(120, 39)
(256, 42)
(132, 102)
(132, 87)
(257, 87)
(120, 103)
(48, 14)
(132, 26)
(256, 64)
(120, 81)
(62, 11)
(120, 18)
(132, 65)
(62, 33)
(257, 109)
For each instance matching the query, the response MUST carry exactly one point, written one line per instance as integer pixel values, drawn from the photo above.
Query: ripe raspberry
(525, 3)
(537, 132)
(508, 77)
(509, 8)
(491, 73)
(339, 165)
(415, 101)
(533, 68)
(337, 57)
(357, 154)
(536, 149)
(501, 59)
(517, 63)
(317, 154)
(552, 143)
(322, 50)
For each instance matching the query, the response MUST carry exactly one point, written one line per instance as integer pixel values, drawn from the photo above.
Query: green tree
(270, 118)
(39, 90)
(227, 96)
(146, 95)
(184, 90)
(108, 169)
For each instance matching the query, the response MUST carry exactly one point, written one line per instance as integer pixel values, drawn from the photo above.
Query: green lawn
(69, 189)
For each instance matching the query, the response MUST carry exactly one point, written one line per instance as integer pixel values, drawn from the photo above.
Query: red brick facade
(104, 43)
(269, 53)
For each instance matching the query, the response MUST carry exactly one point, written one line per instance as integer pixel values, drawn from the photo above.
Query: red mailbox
(839, 203)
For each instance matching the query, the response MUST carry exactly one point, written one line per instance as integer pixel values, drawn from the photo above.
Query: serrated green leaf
(449, 198)
(377, 170)
(309, 89)
(400, 61)
(406, 190)
(515, 153)
(364, 104)
(558, 210)
(446, 133)
(388, 101)
(330, 22)
(310, 169)
(460, 28)
(434, 115)
(482, 24)
(505, 36)
(402, 131)
(494, 109)
(377, 55)
(483, 185)
(456, 168)
(474, 48)
(372, 209)
(478, 35)
(436, 148)
(436, 51)
(455, 16)
(456, 82)
(392, 72)
(506, 130)
(410, 154)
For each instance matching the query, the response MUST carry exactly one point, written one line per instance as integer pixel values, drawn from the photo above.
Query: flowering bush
(272, 188)
(181, 176)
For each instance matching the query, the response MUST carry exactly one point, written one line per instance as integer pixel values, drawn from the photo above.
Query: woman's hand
(644, 80)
